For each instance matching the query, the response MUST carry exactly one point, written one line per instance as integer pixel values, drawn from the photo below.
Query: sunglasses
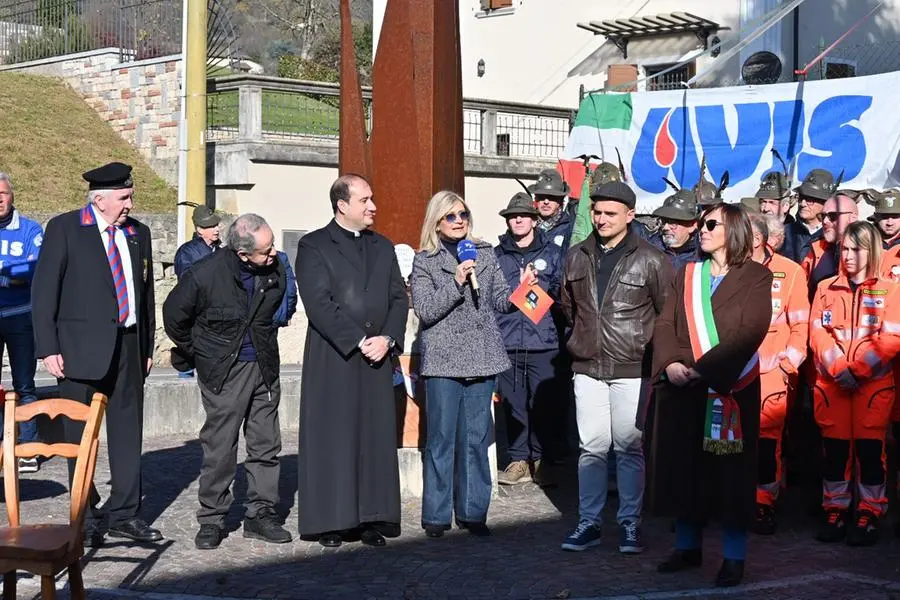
(461, 216)
(833, 216)
(710, 225)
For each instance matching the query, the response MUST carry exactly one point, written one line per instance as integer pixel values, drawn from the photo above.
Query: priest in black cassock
(356, 303)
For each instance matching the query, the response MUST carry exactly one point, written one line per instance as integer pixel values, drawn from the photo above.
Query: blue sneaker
(186, 374)
(630, 538)
(585, 536)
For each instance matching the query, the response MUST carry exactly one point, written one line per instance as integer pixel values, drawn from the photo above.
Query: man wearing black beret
(94, 327)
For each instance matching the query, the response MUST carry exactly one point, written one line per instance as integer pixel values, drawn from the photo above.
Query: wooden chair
(47, 550)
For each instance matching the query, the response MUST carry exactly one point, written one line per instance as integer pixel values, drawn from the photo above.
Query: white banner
(850, 125)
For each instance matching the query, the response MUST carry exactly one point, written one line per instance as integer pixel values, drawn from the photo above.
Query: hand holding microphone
(466, 253)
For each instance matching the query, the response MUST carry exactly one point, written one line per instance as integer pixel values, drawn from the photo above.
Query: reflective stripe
(863, 332)
(798, 316)
(890, 327)
(778, 319)
(817, 324)
(831, 355)
(795, 356)
(842, 335)
(836, 494)
(768, 363)
(871, 358)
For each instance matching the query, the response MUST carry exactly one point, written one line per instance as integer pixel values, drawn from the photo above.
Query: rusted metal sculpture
(416, 145)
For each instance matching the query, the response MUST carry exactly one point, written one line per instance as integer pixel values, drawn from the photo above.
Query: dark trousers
(124, 386)
(457, 472)
(530, 390)
(17, 337)
(244, 402)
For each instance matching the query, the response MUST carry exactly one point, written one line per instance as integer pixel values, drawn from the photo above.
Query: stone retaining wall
(140, 100)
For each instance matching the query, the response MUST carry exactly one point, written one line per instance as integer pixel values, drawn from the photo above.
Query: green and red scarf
(722, 430)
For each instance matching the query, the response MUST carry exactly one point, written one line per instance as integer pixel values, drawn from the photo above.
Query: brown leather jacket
(613, 342)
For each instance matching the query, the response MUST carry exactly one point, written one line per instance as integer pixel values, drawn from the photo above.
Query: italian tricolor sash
(722, 431)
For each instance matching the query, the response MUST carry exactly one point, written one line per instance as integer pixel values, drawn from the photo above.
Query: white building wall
(535, 53)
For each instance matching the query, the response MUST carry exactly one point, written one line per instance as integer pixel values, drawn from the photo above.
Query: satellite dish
(762, 67)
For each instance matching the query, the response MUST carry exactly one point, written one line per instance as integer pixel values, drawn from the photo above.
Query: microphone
(465, 250)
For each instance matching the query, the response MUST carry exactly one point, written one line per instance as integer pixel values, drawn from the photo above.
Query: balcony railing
(257, 108)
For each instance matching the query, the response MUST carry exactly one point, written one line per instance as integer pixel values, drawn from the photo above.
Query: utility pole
(195, 108)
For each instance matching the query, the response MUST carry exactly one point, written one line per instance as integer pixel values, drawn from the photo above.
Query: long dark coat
(347, 461)
(686, 481)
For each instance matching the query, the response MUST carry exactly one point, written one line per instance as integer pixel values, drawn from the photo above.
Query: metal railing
(248, 107)
(856, 60)
(138, 29)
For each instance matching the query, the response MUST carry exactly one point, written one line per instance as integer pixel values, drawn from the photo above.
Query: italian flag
(602, 125)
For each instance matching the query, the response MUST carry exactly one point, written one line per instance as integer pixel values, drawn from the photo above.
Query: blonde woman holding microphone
(456, 287)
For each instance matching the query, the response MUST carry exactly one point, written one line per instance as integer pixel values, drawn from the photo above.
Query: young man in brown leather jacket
(614, 286)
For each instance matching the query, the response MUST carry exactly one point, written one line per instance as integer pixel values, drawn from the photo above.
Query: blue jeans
(17, 336)
(689, 536)
(459, 431)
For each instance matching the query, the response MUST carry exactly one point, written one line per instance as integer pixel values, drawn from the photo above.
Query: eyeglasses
(710, 225)
(833, 216)
(462, 215)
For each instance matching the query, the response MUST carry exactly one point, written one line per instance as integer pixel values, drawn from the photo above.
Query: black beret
(112, 176)
(615, 190)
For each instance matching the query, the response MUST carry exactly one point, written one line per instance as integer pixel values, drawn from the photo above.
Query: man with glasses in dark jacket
(220, 316)
(531, 388)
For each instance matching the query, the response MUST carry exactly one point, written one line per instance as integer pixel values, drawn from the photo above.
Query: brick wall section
(139, 100)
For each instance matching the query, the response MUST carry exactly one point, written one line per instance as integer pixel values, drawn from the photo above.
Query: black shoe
(475, 528)
(764, 524)
(682, 560)
(332, 539)
(388, 530)
(436, 531)
(266, 527)
(370, 537)
(865, 530)
(833, 528)
(93, 536)
(209, 537)
(731, 573)
(135, 529)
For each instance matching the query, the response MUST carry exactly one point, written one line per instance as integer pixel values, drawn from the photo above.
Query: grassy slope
(49, 137)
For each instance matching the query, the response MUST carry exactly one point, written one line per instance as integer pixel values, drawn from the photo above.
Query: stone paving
(522, 560)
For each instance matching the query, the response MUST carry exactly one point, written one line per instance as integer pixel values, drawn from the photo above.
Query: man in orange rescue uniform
(854, 336)
(780, 357)
(887, 219)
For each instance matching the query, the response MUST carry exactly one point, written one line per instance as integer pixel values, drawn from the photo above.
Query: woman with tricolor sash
(706, 372)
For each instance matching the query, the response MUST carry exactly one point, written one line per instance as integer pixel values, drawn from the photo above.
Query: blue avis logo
(667, 145)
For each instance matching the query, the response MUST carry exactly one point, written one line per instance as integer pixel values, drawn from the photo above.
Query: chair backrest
(84, 453)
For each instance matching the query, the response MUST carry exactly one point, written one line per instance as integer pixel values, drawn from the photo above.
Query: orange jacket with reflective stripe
(785, 344)
(856, 330)
(890, 264)
(818, 249)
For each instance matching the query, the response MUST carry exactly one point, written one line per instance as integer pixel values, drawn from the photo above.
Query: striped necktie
(118, 273)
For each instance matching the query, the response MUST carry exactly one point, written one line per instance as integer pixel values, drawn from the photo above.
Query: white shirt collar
(811, 230)
(353, 231)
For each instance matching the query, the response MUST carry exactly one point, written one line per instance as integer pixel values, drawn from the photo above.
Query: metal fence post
(250, 112)
(489, 132)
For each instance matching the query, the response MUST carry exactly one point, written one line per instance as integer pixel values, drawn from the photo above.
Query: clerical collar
(352, 233)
